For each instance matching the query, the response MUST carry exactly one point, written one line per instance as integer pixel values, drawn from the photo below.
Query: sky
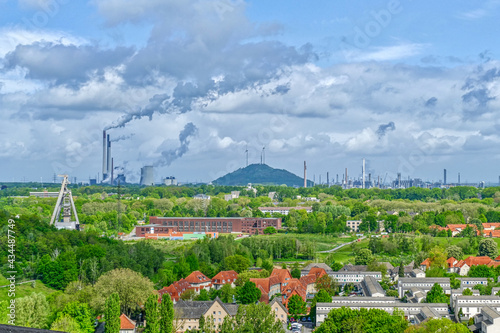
(189, 85)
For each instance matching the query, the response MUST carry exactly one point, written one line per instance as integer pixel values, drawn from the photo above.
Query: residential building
(293, 287)
(425, 284)
(470, 282)
(224, 277)
(268, 287)
(372, 288)
(283, 275)
(309, 282)
(175, 290)
(280, 311)
(470, 306)
(127, 325)
(354, 277)
(353, 224)
(198, 281)
(488, 321)
(308, 268)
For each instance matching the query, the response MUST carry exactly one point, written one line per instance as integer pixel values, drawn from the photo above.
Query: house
(283, 210)
(317, 272)
(425, 284)
(309, 282)
(372, 288)
(353, 268)
(283, 276)
(470, 282)
(353, 225)
(224, 277)
(488, 321)
(127, 325)
(280, 311)
(293, 287)
(417, 273)
(187, 314)
(175, 290)
(308, 268)
(268, 287)
(198, 281)
(470, 306)
(354, 277)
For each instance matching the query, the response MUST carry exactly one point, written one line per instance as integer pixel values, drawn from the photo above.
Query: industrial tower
(65, 204)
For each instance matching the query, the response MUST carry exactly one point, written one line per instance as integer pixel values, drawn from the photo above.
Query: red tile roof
(492, 233)
(475, 261)
(126, 323)
(282, 274)
(293, 287)
(491, 225)
(308, 279)
(317, 271)
(227, 276)
(175, 289)
(197, 277)
(265, 284)
(451, 262)
(426, 263)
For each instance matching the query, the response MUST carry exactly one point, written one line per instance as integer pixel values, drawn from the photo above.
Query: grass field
(322, 242)
(3, 280)
(26, 289)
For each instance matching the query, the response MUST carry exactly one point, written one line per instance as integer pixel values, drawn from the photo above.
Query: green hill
(261, 174)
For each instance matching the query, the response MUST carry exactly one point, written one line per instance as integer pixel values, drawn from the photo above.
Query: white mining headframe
(65, 204)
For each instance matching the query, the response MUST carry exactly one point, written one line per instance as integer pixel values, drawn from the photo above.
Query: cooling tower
(147, 176)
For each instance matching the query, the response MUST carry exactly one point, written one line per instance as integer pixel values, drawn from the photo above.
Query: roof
(191, 309)
(197, 277)
(307, 279)
(265, 284)
(353, 268)
(451, 261)
(294, 286)
(426, 262)
(321, 265)
(126, 323)
(277, 302)
(317, 271)
(282, 274)
(475, 261)
(371, 286)
(224, 275)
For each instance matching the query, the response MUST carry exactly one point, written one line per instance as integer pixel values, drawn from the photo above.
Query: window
(219, 314)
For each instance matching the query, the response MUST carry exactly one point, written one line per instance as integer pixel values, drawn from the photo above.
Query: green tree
(82, 314)
(436, 295)
(296, 306)
(443, 325)
(237, 263)
(295, 273)
(248, 294)
(112, 313)
(152, 316)
(455, 252)
(270, 230)
(482, 271)
(166, 315)
(454, 283)
(32, 311)
(202, 296)
(65, 323)
(132, 288)
(467, 292)
(321, 297)
(363, 257)
(327, 284)
(226, 293)
(391, 293)
(488, 247)
(253, 318)
(188, 295)
(401, 272)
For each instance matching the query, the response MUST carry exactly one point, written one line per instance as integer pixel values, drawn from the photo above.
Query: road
(341, 245)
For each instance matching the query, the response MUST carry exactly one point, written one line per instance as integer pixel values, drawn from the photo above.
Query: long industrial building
(250, 225)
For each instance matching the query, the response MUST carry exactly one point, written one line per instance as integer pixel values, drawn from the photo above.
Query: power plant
(108, 163)
(147, 175)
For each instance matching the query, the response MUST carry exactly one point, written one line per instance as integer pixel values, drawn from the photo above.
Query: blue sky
(187, 85)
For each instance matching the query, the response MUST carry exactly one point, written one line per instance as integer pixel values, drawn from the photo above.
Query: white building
(354, 277)
(471, 305)
(283, 210)
(424, 284)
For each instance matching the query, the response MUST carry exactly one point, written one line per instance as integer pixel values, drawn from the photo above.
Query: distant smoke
(168, 156)
(158, 103)
(123, 137)
(382, 129)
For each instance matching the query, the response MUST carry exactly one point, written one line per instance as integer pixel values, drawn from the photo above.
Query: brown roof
(475, 261)
(175, 289)
(293, 287)
(307, 279)
(197, 277)
(282, 274)
(451, 262)
(224, 276)
(317, 271)
(264, 284)
(126, 323)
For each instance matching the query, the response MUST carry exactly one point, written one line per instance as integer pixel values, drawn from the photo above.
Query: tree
(327, 284)
(132, 288)
(226, 293)
(455, 252)
(391, 293)
(270, 230)
(202, 296)
(454, 283)
(253, 318)
(188, 295)
(166, 315)
(112, 313)
(437, 258)
(363, 257)
(249, 293)
(467, 292)
(237, 263)
(436, 295)
(363, 320)
(438, 325)
(152, 316)
(65, 323)
(32, 311)
(296, 306)
(488, 247)
(82, 314)
(321, 297)
(401, 272)
(295, 273)
(482, 271)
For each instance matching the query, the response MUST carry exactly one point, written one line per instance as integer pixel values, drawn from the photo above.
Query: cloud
(170, 155)
(383, 129)
(388, 53)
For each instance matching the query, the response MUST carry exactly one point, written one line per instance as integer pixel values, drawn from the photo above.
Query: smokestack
(108, 165)
(444, 182)
(112, 169)
(328, 179)
(399, 179)
(104, 156)
(337, 179)
(346, 179)
(459, 178)
(363, 184)
(305, 175)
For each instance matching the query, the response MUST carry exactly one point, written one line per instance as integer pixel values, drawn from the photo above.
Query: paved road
(341, 246)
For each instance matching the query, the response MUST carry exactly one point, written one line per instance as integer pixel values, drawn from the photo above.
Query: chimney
(363, 181)
(328, 179)
(104, 156)
(108, 165)
(112, 169)
(305, 175)
(459, 178)
(346, 179)
(444, 179)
